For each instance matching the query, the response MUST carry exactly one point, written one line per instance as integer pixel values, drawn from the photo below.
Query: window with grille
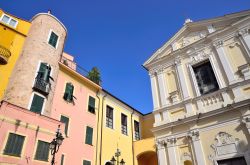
(68, 94)
(65, 120)
(205, 78)
(14, 145)
(37, 104)
(86, 162)
(89, 135)
(91, 105)
(137, 130)
(42, 151)
(53, 39)
(124, 124)
(109, 117)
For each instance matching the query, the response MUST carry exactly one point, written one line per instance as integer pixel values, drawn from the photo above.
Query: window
(42, 83)
(91, 106)
(62, 159)
(86, 162)
(42, 151)
(232, 161)
(53, 39)
(65, 120)
(37, 104)
(124, 124)
(9, 21)
(205, 77)
(68, 94)
(14, 145)
(109, 117)
(89, 135)
(137, 130)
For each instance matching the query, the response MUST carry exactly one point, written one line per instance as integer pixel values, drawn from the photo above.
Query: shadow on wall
(147, 158)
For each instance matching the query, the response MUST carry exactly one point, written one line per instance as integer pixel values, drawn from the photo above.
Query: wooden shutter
(91, 106)
(65, 120)
(69, 90)
(37, 104)
(42, 151)
(89, 135)
(14, 145)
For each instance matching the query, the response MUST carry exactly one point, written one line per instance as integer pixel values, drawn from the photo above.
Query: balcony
(42, 86)
(4, 55)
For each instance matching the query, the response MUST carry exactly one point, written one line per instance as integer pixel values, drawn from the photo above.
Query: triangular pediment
(192, 32)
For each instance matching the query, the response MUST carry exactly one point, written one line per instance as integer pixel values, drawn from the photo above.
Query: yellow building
(13, 31)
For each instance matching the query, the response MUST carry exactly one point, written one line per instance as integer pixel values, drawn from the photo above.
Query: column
(224, 61)
(162, 88)
(244, 37)
(197, 147)
(172, 151)
(161, 152)
(181, 78)
(154, 89)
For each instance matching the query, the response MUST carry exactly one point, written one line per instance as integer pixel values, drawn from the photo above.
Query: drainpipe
(100, 154)
(132, 136)
(97, 126)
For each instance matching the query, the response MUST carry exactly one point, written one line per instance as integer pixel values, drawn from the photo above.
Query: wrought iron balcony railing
(4, 55)
(42, 86)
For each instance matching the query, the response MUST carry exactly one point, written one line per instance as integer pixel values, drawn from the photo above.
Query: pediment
(192, 32)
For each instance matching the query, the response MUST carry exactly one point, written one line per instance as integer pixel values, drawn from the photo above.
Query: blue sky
(118, 36)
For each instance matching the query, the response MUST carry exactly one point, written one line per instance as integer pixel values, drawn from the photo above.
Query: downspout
(132, 136)
(100, 154)
(97, 126)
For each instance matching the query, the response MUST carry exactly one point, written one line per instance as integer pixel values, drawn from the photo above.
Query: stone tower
(33, 80)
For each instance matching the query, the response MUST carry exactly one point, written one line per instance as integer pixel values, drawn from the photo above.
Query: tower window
(53, 39)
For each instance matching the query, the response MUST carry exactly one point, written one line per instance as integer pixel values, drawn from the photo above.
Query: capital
(194, 135)
(246, 121)
(171, 141)
(160, 144)
(218, 44)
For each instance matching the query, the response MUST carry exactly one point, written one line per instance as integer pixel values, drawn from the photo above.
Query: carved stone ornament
(186, 156)
(218, 44)
(243, 32)
(177, 60)
(224, 144)
(171, 141)
(160, 144)
(199, 56)
(194, 135)
(246, 121)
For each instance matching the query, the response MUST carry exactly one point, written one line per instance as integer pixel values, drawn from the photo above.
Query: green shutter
(42, 151)
(89, 135)
(86, 162)
(14, 145)
(69, 90)
(65, 120)
(37, 104)
(53, 39)
(44, 72)
(91, 106)
(62, 159)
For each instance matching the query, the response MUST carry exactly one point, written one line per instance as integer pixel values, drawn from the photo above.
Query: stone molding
(218, 44)
(171, 141)
(194, 135)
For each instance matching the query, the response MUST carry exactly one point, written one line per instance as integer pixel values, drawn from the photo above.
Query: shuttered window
(86, 162)
(91, 105)
(53, 39)
(62, 159)
(14, 145)
(124, 124)
(44, 72)
(65, 120)
(137, 130)
(68, 94)
(42, 151)
(109, 117)
(37, 104)
(89, 135)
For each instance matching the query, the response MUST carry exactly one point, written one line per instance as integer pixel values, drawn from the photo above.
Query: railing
(4, 55)
(42, 86)
(71, 64)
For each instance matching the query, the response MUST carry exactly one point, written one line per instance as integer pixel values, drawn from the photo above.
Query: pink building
(23, 134)
(75, 104)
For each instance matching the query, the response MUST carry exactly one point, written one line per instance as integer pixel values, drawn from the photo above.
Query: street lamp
(117, 155)
(55, 144)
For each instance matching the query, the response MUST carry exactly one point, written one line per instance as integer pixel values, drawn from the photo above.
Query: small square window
(5, 19)
(13, 23)
(42, 151)
(14, 145)
(53, 39)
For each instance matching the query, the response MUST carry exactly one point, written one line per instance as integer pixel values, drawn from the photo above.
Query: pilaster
(194, 137)
(161, 152)
(172, 154)
(246, 121)
(244, 38)
(154, 88)
(162, 88)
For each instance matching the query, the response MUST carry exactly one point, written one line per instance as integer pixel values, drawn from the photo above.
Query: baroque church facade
(200, 82)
